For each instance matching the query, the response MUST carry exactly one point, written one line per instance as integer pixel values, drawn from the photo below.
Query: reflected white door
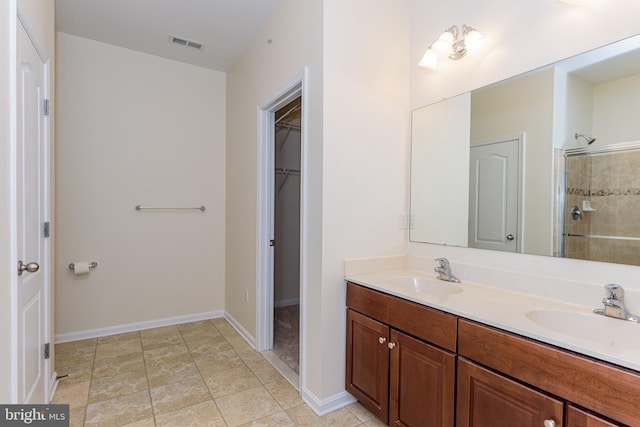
(31, 198)
(493, 196)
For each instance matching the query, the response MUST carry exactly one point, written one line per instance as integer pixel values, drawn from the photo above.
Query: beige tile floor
(195, 374)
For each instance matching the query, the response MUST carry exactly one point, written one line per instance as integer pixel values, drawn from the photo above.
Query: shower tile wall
(611, 182)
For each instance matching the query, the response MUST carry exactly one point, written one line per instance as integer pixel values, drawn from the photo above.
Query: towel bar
(139, 208)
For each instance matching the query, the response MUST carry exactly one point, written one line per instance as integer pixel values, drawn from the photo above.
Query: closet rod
(289, 125)
(295, 108)
(288, 171)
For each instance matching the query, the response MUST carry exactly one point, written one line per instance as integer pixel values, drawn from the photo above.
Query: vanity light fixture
(453, 43)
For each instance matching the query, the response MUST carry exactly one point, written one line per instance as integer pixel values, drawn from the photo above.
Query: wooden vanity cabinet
(404, 380)
(402, 360)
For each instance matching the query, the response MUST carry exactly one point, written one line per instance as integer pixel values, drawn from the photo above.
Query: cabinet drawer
(605, 389)
(423, 322)
(368, 302)
(426, 323)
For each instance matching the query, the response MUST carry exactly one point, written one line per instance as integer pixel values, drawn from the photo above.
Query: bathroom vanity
(415, 365)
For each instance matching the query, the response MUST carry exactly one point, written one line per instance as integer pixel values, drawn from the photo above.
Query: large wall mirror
(545, 163)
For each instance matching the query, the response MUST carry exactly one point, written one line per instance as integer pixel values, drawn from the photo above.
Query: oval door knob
(32, 267)
(511, 237)
(549, 423)
(382, 340)
(391, 345)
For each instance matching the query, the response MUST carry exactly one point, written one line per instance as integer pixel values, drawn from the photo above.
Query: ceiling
(225, 27)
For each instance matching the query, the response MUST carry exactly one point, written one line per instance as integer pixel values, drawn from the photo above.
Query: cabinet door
(368, 363)
(579, 418)
(422, 383)
(486, 399)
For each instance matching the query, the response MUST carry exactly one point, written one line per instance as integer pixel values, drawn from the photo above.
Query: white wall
(366, 124)
(137, 129)
(615, 111)
(357, 133)
(553, 31)
(289, 43)
(574, 112)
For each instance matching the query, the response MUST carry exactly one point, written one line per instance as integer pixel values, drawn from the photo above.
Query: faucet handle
(443, 262)
(614, 291)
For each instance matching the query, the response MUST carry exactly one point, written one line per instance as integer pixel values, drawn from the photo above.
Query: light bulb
(473, 40)
(429, 60)
(444, 42)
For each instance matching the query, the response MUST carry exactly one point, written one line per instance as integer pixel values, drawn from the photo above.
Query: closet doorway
(286, 259)
(282, 230)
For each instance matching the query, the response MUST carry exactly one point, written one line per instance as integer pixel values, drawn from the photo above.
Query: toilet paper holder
(92, 264)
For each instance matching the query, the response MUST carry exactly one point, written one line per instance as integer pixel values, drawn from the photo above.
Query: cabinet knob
(549, 423)
(382, 340)
(391, 345)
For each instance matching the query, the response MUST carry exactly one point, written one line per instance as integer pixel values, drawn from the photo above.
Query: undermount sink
(609, 332)
(427, 285)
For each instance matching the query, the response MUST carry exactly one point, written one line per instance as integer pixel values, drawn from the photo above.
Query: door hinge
(46, 229)
(46, 351)
(45, 107)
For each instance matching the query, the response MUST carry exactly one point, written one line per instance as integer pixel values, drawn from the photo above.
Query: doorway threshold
(282, 367)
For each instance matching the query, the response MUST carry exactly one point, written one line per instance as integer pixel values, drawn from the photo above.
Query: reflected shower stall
(602, 204)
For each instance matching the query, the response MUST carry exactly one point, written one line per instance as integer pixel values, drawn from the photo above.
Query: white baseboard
(250, 339)
(138, 326)
(333, 403)
(286, 302)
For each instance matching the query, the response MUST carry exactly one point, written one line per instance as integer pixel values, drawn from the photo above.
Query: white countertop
(612, 340)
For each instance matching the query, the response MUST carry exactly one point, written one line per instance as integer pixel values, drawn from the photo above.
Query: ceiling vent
(185, 42)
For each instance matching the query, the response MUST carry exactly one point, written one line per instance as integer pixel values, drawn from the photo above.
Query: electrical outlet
(246, 295)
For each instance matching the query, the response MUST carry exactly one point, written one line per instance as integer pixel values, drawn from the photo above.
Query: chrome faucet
(444, 271)
(614, 304)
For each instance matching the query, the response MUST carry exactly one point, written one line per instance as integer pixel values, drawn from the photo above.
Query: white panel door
(493, 196)
(31, 182)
